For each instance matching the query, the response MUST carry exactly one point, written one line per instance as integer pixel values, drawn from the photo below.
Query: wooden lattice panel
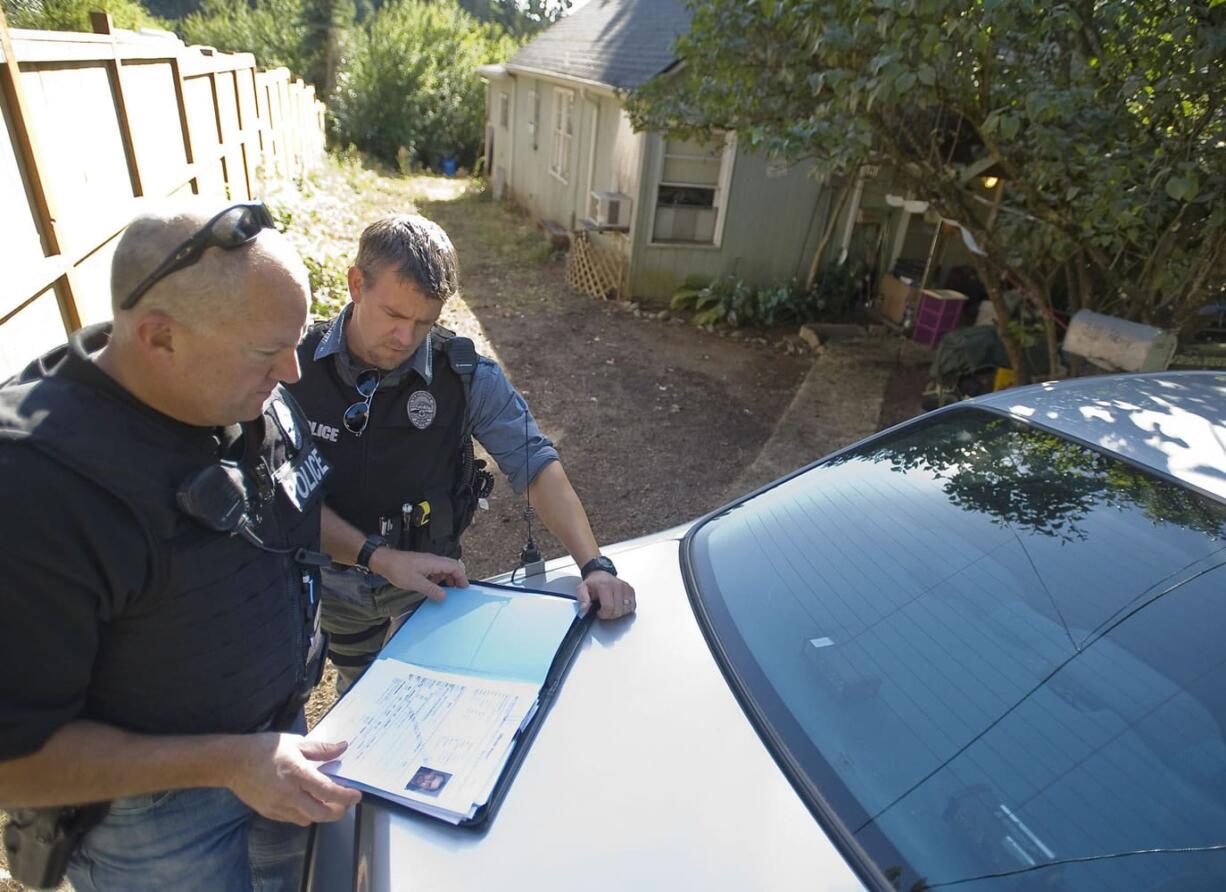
(594, 270)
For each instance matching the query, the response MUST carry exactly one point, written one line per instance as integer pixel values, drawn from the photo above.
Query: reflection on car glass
(993, 651)
(1035, 480)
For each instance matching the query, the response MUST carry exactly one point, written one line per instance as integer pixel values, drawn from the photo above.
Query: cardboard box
(893, 296)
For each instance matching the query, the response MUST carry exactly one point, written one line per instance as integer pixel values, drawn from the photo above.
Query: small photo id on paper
(428, 781)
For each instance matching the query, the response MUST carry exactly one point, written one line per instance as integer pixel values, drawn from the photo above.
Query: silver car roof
(646, 775)
(1173, 422)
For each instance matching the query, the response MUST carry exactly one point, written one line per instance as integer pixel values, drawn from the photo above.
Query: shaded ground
(654, 420)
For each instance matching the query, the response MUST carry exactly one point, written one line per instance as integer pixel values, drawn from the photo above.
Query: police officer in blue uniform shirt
(161, 539)
(394, 401)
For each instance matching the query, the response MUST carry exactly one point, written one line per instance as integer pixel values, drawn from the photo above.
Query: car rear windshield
(990, 657)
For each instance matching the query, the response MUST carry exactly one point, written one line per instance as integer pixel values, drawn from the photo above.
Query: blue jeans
(188, 840)
(200, 840)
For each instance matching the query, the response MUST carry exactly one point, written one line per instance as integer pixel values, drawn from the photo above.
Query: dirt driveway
(654, 420)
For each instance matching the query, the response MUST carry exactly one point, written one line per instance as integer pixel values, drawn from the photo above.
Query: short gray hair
(416, 248)
(198, 294)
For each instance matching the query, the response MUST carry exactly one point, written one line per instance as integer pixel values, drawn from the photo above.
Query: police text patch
(325, 432)
(300, 476)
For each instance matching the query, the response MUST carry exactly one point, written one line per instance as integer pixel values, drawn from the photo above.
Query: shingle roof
(620, 43)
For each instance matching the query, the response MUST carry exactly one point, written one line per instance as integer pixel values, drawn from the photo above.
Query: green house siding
(773, 220)
(771, 227)
(605, 154)
(531, 181)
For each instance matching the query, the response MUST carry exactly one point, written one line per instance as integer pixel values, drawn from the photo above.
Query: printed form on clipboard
(433, 724)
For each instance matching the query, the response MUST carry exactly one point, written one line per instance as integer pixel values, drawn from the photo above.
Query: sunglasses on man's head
(357, 416)
(232, 228)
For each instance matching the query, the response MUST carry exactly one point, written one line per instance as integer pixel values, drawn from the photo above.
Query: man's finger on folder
(322, 751)
(328, 800)
(330, 795)
(419, 572)
(272, 772)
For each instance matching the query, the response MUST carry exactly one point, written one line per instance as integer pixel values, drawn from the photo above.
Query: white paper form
(484, 631)
(429, 737)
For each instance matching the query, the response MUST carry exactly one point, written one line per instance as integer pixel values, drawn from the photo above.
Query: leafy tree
(73, 15)
(326, 43)
(275, 31)
(1103, 119)
(309, 37)
(172, 10)
(413, 83)
(518, 18)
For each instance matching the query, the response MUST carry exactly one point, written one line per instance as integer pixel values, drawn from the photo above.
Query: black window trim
(865, 867)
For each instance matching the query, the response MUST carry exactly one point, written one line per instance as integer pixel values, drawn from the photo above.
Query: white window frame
(562, 143)
(504, 109)
(534, 115)
(726, 162)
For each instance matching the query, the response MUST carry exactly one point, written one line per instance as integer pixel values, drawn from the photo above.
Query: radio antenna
(529, 556)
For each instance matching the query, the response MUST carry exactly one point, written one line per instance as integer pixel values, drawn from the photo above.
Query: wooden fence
(99, 125)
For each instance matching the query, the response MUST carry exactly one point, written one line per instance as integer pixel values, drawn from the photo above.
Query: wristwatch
(369, 547)
(600, 562)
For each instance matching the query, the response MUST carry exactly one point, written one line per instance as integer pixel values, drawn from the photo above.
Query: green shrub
(521, 18)
(785, 303)
(273, 30)
(73, 15)
(735, 303)
(837, 289)
(329, 284)
(412, 83)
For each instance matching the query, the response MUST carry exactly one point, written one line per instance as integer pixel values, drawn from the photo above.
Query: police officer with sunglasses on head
(160, 558)
(394, 402)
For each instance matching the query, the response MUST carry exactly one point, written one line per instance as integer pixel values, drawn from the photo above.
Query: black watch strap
(600, 562)
(372, 544)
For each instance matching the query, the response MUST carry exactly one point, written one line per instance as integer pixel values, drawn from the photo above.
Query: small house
(657, 210)
(559, 143)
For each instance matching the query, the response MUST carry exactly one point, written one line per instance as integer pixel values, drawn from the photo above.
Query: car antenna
(529, 556)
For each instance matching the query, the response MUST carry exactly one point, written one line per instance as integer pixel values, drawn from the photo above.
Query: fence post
(27, 150)
(219, 126)
(247, 78)
(189, 152)
(102, 24)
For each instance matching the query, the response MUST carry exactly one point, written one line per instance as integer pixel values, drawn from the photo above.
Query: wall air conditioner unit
(611, 210)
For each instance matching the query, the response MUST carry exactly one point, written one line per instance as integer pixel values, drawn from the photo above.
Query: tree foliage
(1104, 118)
(1036, 482)
(327, 41)
(274, 31)
(519, 18)
(412, 82)
(73, 15)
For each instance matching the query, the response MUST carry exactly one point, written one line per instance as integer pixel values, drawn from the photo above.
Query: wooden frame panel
(107, 123)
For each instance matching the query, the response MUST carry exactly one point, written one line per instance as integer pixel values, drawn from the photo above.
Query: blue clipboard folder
(486, 631)
(489, 631)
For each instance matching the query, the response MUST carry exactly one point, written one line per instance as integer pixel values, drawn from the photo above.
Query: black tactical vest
(409, 476)
(226, 635)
